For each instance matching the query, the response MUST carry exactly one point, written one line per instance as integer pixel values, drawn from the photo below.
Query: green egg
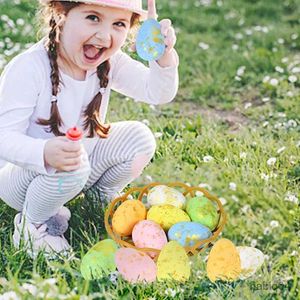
(202, 210)
(99, 260)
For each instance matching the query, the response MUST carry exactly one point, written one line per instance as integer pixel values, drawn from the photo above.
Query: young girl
(63, 81)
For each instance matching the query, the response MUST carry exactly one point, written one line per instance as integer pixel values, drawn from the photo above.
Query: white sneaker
(38, 239)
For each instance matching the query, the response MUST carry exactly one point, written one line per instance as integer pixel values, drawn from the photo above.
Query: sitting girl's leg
(119, 159)
(14, 182)
(40, 196)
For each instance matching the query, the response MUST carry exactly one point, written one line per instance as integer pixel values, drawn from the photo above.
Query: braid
(92, 121)
(55, 121)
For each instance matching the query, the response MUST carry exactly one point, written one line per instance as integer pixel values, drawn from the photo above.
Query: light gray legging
(114, 162)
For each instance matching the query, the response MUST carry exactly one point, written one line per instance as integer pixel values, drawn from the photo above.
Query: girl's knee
(139, 162)
(146, 146)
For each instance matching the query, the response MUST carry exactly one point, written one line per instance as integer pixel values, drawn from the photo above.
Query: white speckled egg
(251, 260)
(135, 266)
(162, 194)
(148, 234)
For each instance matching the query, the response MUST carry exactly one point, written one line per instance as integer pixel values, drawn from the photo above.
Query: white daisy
(290, 197)
(279, 69)
(292, 78)
(205, 186)
(281, 149)
(235, 198)
(274, 224)
(223, 200)
(203, 46)
(207, 158)
(247, 105)
(146, 122)
(271, 161)
(158, 134)
(232, 186)
(264, 176)
(253, 243)
(170, 292)
(274, 81)
(241, 70)
(243, 155)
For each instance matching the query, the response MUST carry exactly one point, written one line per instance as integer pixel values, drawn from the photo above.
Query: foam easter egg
(167, 215)
(99, 260)
(251, 260)
(173, 263)
(148, 234)
(187, 234)
(223, 261)
(150, 42)
(127, 215)
(135, 266)
(162, 194)
(202, 210)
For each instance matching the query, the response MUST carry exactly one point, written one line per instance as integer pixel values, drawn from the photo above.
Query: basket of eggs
(161, 213)
(153, 230)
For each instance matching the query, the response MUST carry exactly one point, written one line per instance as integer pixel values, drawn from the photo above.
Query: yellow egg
(167, 215)
(173, 263)
(127, 215)
(223, 261)
(162, 194)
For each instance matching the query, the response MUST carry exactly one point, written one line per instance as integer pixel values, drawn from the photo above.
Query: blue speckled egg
(150, 42)
(188, 234)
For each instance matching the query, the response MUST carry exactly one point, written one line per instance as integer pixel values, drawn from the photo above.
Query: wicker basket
(142, 192)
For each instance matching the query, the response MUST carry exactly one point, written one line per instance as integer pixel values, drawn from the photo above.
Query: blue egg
(188, 234)
(150, 42)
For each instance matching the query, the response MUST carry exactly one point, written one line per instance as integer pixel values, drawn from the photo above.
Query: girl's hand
(62, 154)
(168, 33)
(170, 57)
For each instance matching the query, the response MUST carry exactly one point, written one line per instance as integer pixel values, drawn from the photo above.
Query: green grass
(240, 123)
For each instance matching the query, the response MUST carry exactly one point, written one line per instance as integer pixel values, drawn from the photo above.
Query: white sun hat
(131, 5)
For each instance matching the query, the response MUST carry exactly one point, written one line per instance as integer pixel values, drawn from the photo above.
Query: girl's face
(90, 35)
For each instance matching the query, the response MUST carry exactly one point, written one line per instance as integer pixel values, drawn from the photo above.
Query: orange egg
(127, 215)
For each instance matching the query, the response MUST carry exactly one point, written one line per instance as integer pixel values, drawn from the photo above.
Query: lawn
(232, 129)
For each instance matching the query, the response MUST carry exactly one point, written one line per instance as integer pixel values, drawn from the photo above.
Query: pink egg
(148, 234)
(135, 266)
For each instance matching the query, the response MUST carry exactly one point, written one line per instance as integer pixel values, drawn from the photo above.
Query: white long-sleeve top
(25, 96)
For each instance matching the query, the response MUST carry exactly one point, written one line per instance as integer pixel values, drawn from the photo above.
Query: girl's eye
(93, 18)
(120, 24)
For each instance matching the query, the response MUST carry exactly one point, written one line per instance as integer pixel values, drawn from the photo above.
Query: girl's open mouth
(92, 53)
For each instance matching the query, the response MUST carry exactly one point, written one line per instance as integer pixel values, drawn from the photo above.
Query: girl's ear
(59, 20)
